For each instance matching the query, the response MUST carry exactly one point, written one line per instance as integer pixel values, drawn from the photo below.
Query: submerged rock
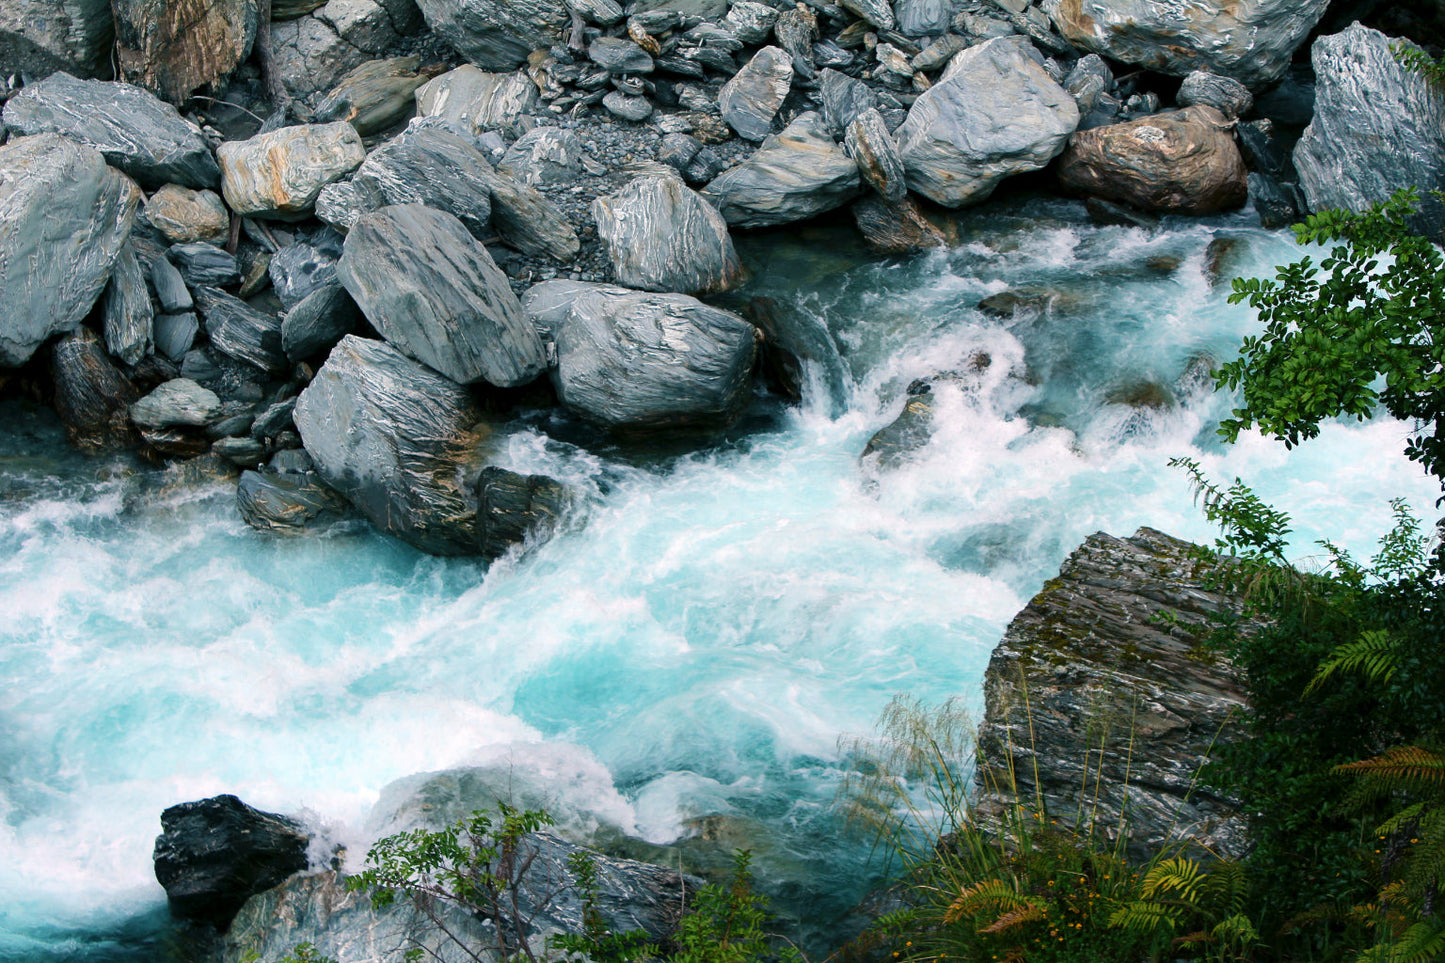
(286, 503)
(143, 136)
(1100, 683)
(793, 176)
(214, 854)
(661, 236)
(64, 217)
(435, 293)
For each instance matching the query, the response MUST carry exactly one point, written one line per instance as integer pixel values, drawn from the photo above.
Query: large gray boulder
(750, 100)
(174, 403)
(172, 47)
(39, 37)
(547, 157)
(635, 361)
(1250, 41)
(394, 438)
(142, 135)
(476, 100)
(433, 291)
(64, 217)
(1096, 699)
(1377, 127)
(661, 236)
(497, 34)
(1178, 162)
(792, 176)
(997, 112)
(280, 173)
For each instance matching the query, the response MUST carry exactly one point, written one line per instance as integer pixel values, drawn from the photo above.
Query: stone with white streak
(661, 236)
(792, 176)
(477, 101)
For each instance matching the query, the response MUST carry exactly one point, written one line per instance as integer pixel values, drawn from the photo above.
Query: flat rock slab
(1251, 42)
(1377, 127)
(137, 132)
(279, 174)
(751, 99)
(661, 236)
(476, 100)
(497, 34)
(1092, 687)
(635, 361)
(175, 403)
(791, 177)
(183, 215)
(996, 113)
(394, 438)
(172, 47)
(1180, 162)
(431, 290)
(64, 217)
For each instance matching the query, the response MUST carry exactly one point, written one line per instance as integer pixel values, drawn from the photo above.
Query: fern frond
(1228, 884)
(1178, 875)
(1029, 913)
(1422, 943)
(990, 895)
(1142, 917)
(1195, 940)
(1409, 816)
(1237, 930)
(1374, 654)
(1401, 767)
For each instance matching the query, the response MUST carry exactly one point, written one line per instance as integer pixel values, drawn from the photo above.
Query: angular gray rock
(529, 222)
(239, 331)
(64, 217)
(183, 215)
(432, 291)
(393, 437)
(997, 112)
(1181, 162)
(792, 176)
(635, 361)
(175, 333)
(311, 57)
(1377, 127)
(279, 174)
(1250, 42)
(285, 503)
(171, 291)
(619, 55)
(546, 157)
(39, 37)
(661, 236)
(304, 266)
(142, 135)
(751, 22)
(872, 148)
(204, 264)
(844, 98)
(750, 100)
(476, 101)
(494, 34)
(173, 48)
(374, 96)
(318, 322)
(178, 402)
(922, 18)
(625, 107)
(877, 12)
(92, 398)
(511, 507)
(1091, 686)
(1225, 94)
(128, 310)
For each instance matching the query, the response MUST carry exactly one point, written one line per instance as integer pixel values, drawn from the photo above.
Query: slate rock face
(1377, 127)
(511, 506)
(1181, 162)
(286, 503)
(631, 360)
(92, 398)
(318, 322)
(475, 100)
(64, 217)
(1225, 94)
(545, 156)
(374, 96)
(39, 37)
(435, 293)
(142, 135)
(661, 236)
(997, 112)
(393, 437)
(240, 331)
(128, 310)
(497, 35)
(791, 177)
(874, 151)
(175, 403)
(750, 100)
(280, 173)
(1096, 658)
(1251, 42)
(214, 854)
(172, 47)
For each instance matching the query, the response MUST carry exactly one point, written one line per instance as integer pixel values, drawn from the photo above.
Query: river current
(703, 629)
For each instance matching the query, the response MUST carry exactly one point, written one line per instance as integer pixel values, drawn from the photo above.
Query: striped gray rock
(636, 361)
(142, 135)
(1225, 94)
(178, 402)
(205, 264)
(997, 112)
(374, 96)
(431, 290)
(318, 322)
(92, 398)
(286, 503)
(546, 157)
(1377, 127)
(791, 177)
(661, 236)
(844, 98)
(64, 217)
(497, 34)
(128, 310)
(1251, 42)
(39, 37)
(475, 100)
(872, 148)
(239, 331)
(279, 174)
(750, 100)
(393, 437)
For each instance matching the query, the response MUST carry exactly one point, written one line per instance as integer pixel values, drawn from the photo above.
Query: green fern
(1373, 654)
(1402, 767)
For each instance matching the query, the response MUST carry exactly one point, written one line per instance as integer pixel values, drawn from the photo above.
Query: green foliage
(1363, 330)
(305, 953)
(726, 923)
(596, 942)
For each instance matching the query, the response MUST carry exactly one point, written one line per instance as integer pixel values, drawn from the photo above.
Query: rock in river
(791, 177)
(661, 236)
(64, 216)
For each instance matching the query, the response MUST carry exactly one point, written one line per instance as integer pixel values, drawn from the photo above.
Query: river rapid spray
(697, 637)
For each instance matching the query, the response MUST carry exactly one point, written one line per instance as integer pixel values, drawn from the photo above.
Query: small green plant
(305, 953)
(726, 923)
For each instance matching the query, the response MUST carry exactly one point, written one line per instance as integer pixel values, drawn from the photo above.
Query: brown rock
(172, 47)
(1180, 162)
(184, 215)
(92, 398)
(896, 227)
